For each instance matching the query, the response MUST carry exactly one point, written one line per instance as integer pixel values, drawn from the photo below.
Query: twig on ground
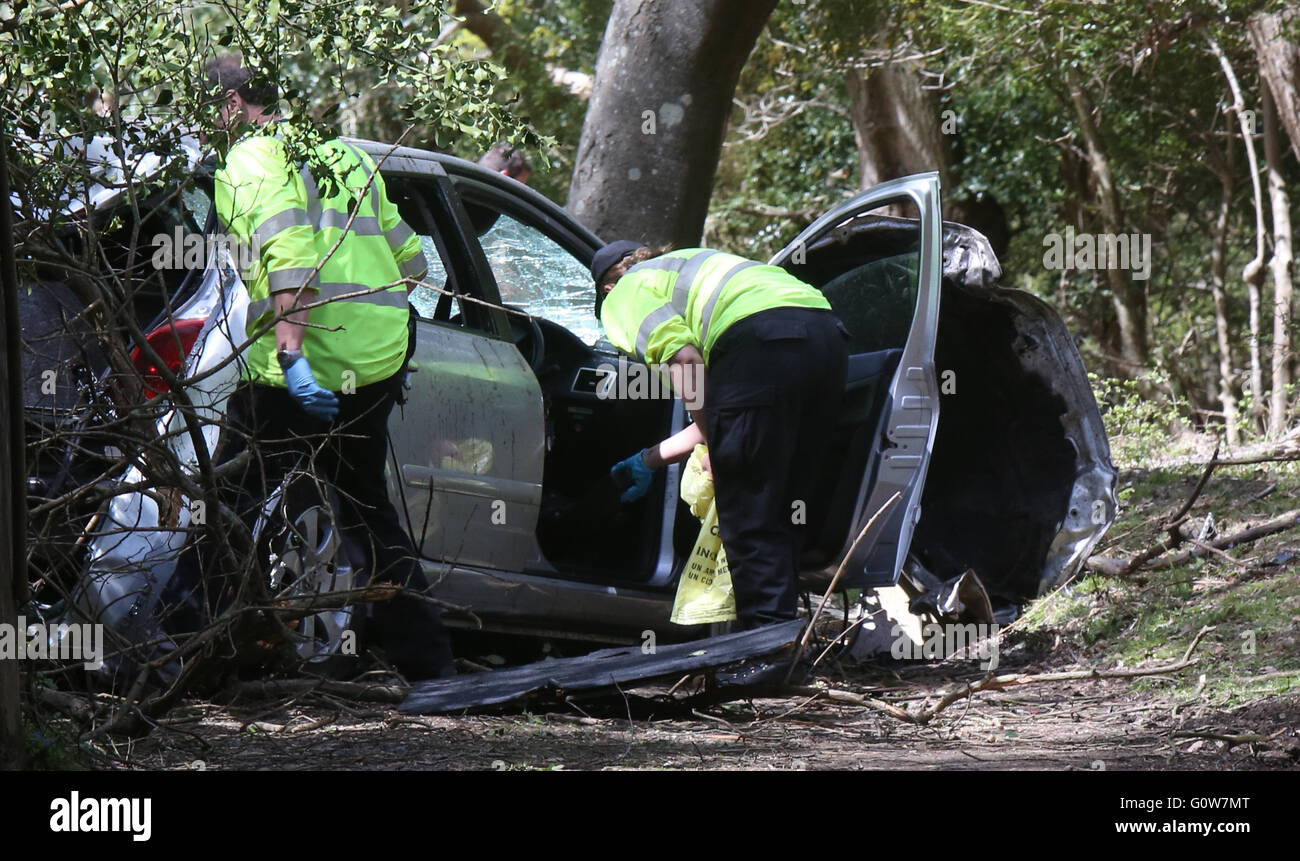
(994, 683)
(1210, 548)
(291, 687)
(1231, 740)
(839, 572)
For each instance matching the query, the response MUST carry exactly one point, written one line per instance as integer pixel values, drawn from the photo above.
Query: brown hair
(642, 254)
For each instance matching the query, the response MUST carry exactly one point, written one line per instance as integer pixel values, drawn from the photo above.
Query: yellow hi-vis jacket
(691, 296)
(276, 207)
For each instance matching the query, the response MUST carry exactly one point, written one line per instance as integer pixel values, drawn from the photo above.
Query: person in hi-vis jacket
(760, 360)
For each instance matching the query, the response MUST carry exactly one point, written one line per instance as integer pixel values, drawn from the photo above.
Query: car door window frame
(474, 192)
(914, 389)
(469, 276)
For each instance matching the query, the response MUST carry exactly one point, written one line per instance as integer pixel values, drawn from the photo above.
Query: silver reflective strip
(686, 278)
(291, 279)
(334, 291)
(707, 315)
(362, 225)
(283, 220)
(415, 267)
(398, 236)
(668, 264)
(255, 310)
(653, 320)
(387, 297)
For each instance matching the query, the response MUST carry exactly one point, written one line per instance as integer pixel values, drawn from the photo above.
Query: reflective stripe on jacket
(293, 226)
(691, 296)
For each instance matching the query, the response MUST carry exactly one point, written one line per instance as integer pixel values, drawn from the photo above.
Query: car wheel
(308, 557)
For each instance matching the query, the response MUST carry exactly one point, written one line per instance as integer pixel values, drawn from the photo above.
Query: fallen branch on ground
(1170, 525)
(997, 683)
(1281, 523)
(291, 687)
(1280, 450)
(1231, 740)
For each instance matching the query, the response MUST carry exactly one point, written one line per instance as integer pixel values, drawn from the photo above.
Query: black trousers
(349, 454)
(774, 389)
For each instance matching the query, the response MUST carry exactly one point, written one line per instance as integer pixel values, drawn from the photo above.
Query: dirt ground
(1089, 725)
(1235, 707)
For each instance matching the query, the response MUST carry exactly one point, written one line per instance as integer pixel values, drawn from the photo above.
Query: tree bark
(13, 507)
(650, 143)
(1218, 290)
(1129, 295)
(1279, 66)
(1280, 264)
(1253, 272)
(896, 124)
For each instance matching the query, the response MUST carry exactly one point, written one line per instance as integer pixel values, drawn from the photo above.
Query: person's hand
(317, 402)
(633, 476)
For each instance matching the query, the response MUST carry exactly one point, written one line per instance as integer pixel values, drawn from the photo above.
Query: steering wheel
(527, 334)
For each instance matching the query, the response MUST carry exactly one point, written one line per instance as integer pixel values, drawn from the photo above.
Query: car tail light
(172, 342)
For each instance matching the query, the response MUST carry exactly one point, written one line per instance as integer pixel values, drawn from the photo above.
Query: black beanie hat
(604, 260)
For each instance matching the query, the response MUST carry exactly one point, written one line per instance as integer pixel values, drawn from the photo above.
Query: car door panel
(469, 447)
(892, 448)
(540, 261)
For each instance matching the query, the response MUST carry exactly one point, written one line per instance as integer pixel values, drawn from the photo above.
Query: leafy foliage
(146, 61)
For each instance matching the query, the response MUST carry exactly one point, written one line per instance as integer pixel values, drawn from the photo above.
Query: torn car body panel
(1019, 485)
(606, 668)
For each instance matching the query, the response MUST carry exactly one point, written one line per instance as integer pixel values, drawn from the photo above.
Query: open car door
(886, 290)
(884, 284)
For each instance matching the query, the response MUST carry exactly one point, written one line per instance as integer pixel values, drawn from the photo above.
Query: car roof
(404, 159)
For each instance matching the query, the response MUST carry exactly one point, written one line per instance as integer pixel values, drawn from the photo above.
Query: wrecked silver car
(967, 400)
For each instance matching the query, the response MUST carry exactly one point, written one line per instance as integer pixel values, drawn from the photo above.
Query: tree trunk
(1218, 290)
(1253, 272)
(1280, 204)
(13, 507)
(1279, 66)
(665, 78)
(1129, 295)
(896, 124)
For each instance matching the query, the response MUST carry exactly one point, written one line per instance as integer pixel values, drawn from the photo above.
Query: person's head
(503, 158)
(243, 97)
(611, 263)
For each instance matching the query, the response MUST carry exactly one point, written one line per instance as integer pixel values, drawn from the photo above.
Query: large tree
(659, 109)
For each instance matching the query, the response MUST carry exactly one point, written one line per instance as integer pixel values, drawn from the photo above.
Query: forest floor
(1236, 706)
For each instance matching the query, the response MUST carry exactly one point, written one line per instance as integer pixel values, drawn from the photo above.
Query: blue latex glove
(316, 402)
(633, 474)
